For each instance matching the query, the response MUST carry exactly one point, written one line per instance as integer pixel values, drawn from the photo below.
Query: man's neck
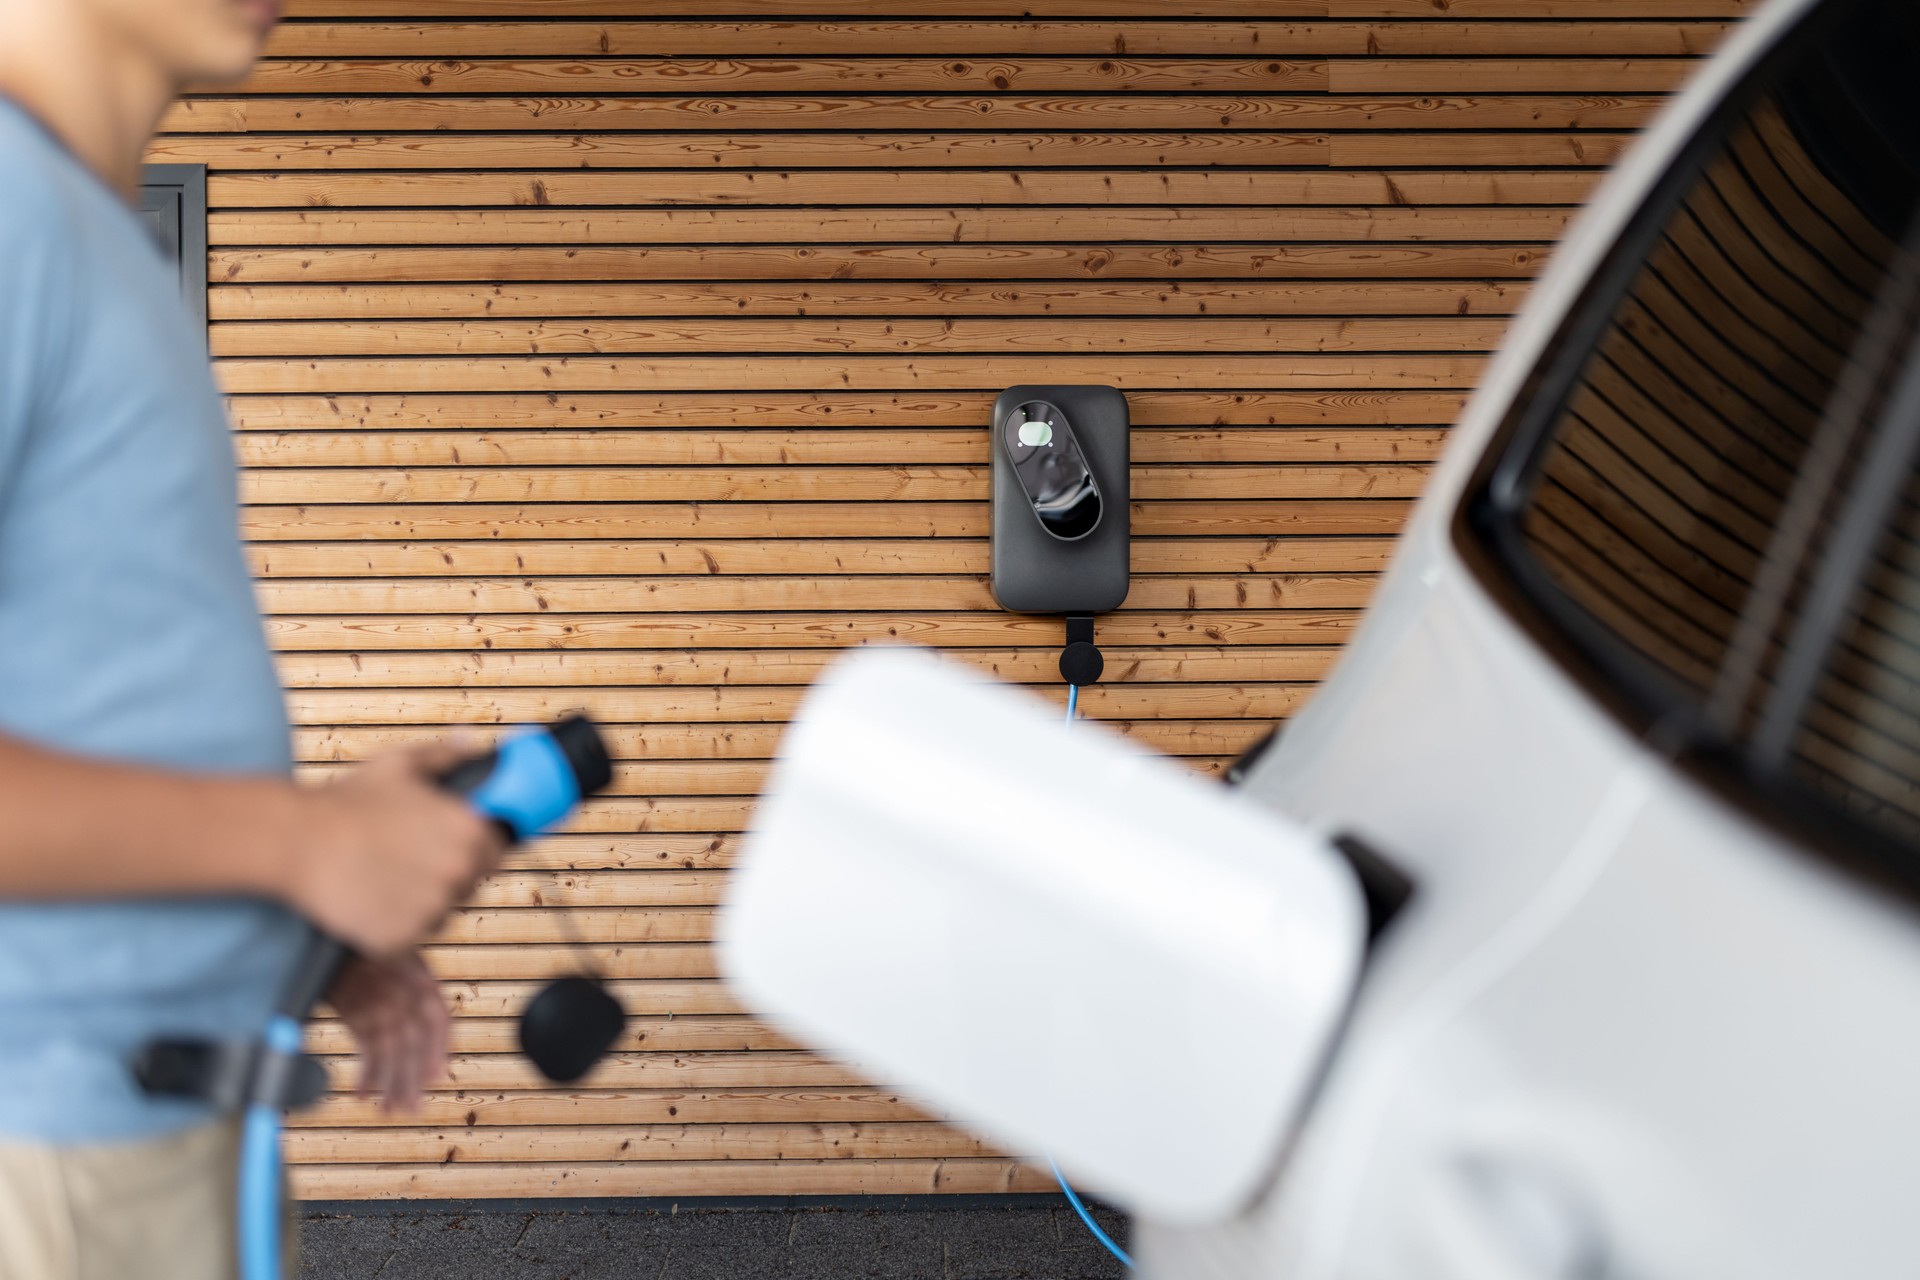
(93, 92)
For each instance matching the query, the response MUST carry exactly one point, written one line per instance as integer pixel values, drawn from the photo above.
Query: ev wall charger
(1061, 500)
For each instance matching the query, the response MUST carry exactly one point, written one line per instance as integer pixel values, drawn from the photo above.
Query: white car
(1636, 713)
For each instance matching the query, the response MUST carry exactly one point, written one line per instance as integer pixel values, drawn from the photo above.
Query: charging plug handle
(525, 785)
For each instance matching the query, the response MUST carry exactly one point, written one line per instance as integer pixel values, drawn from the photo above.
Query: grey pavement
(1015, 1238)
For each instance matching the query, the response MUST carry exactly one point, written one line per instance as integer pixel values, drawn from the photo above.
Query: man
(155, 858)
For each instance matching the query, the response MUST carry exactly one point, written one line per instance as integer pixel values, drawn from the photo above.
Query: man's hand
(376, 859)
(394, 1009)
(385, 853)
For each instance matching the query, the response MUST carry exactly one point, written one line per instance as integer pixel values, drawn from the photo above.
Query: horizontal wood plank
(679, 1033)
(779, 593)
(1161, 446)
(1673, 35)
(626, 961)
(598, 76)
(945, 188)
(889, 226)
(1155, 664)
(783, 373)
(1367, 150)
(1106, 9)
(823, 555)
(834, 1105)
(507, 999)
(621, 705)
(576, 1144)
(694, 778)
(759, 111)
(837, 336)
(568, 520)
(307, 302)
(745, 151)
(667, 1178)
(1006, 261)
(535, 77)
(1507, 75)
(651, 409)
(795, 483)
(717, 741)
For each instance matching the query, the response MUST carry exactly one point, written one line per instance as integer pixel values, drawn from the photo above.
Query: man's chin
(214, 75)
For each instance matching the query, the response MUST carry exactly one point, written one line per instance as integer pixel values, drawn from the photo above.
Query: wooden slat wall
(638, 357)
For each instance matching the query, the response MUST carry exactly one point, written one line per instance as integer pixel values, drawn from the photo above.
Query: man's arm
(376, 859)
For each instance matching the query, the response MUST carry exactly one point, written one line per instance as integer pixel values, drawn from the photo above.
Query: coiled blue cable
(1073, 704)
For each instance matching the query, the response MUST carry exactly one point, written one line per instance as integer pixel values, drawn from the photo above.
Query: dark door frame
(181, 189)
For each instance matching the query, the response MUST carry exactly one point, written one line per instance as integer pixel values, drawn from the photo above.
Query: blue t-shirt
(128, 631)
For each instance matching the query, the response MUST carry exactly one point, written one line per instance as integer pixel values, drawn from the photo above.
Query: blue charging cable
(527, 784)
(260, 1209)
(1073, 705)
(1087, 1218)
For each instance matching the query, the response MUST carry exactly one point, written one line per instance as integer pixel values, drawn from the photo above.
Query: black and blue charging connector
(527, 784)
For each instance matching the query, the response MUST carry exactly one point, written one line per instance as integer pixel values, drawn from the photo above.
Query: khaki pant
(159, 1209)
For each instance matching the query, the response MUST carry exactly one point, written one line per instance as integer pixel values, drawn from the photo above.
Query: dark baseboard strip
(678, 1204)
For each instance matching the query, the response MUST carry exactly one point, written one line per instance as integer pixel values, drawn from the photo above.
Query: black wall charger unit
(1061, 499)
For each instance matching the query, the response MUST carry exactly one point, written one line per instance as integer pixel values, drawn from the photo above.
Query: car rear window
(1709, 492)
